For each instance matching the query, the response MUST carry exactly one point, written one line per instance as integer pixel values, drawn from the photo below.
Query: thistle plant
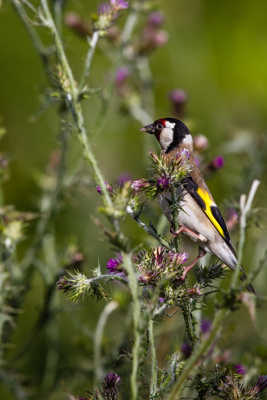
(162, 345)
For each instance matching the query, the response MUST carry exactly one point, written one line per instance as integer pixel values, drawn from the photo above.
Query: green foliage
(138, 329)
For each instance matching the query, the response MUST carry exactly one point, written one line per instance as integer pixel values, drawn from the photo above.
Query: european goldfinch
(199, 217)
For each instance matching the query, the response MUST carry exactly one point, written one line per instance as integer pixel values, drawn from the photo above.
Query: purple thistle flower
(119, 4)
(185, 154)
(178, 99)
(216, 163)
(77, 24)
(64, 284)
(139, 184)
(186, 350)
(159, 255)
(161, 300)
(121, 77)
(113, 264)
(232, 218)
(123, 178)
(205, 326)
(104, 9)
(261, 384)
(240, 369)
(163, 182)
(155, 19)
(179, 258)
(160, 38)
(110, 390)
(152, 39)
(182, 257)
(108, 186)
(178, 96)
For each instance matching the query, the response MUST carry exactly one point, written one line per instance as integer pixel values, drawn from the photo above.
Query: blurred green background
(217, 53)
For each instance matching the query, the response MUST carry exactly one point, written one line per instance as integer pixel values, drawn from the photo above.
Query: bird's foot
(183, 229)
(193, 263)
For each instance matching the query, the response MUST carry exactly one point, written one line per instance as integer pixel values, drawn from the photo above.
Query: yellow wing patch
(204, 195)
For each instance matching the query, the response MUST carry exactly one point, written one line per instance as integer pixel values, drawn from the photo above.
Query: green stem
(72, 99)
(196, 356)
(147, 228)
(90, 54)
(245, 207)
(48, 204)
(108, 309)
(175, 213)
(133, 285)
(129, 27)
(49, 22)
(108, 277)
(154, 378)
(37, 43)
(58, 8)
(188, 320)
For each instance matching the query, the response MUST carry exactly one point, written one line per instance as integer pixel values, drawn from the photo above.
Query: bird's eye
(159, 126)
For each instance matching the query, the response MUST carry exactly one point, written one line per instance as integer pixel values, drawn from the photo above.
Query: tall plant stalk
(220, 317)
(133, 285)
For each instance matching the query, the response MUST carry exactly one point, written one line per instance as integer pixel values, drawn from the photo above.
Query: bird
(199, 216)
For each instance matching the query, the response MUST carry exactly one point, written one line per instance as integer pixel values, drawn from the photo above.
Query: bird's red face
(170, 132)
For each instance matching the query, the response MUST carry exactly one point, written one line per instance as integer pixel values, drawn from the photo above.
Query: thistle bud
(108, 186)
(121, 76)
(261, 384)
(77, 24)
(186, 350)
(153, 37)
(240, 369)
(163, 182)
(155, 19)
(216, 163)
(113, 264)
(123, 178)
(110, 390)
(232, 219)
(201, 142)
(139, 184)
(205, 326)
(104, 9)
(64, 284)
(119, 4)
(178, 99)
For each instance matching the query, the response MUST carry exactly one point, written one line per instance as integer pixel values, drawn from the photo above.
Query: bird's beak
(148, 128)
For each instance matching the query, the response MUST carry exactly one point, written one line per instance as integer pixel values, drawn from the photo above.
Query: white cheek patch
(169, 124)
(188, 141)
(166, 137)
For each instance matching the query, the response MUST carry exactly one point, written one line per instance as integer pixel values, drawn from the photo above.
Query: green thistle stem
(245, 207)
(154, 378)
(133, 285)
(196, 356)
(107, 311)
(72, 99)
